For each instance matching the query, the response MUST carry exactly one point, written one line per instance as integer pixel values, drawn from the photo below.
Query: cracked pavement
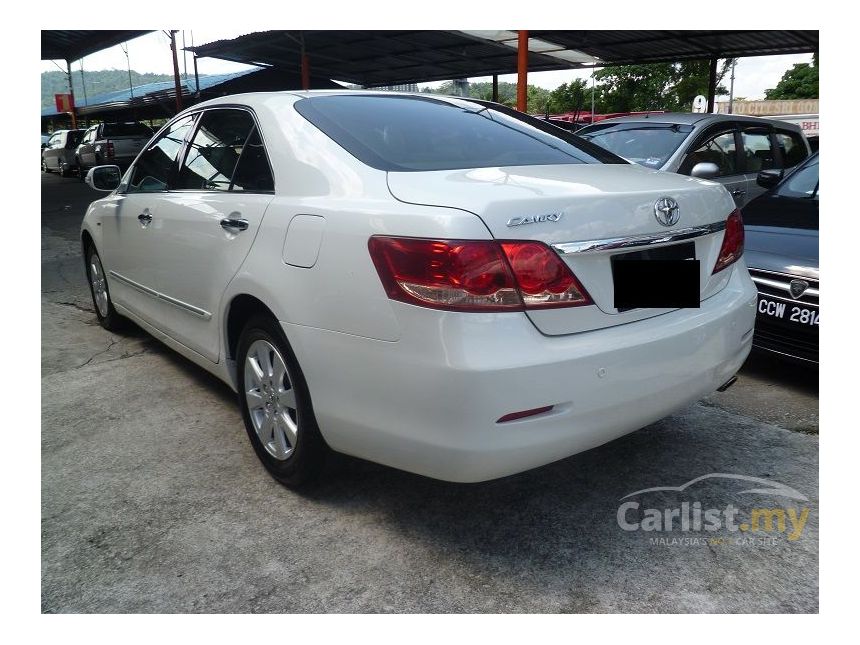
(153, 500)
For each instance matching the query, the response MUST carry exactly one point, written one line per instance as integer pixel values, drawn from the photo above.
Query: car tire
(64, 169)
(45, 168)
(100, 292)
(276, 405)
(82, 171)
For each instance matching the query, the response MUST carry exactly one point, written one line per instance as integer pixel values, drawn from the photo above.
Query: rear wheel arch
(243, 307)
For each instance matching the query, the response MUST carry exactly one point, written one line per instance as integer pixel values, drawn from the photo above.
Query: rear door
(759, 153)
(720, 145)
(207, 223)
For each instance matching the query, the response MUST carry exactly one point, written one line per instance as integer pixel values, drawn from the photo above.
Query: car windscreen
(126, 130)
(648, 144)
(413, 133)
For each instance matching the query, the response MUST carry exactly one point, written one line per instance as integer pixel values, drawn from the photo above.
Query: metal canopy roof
(377, 57)
(392, 57)
(637, 47)
(74, 45)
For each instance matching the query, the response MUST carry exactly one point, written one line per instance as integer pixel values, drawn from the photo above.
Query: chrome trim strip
(612, 243)
(201, 313)
(788, 300)
(811, 291)
(789, 276)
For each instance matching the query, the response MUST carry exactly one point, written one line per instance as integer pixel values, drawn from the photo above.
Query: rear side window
(403, 133)
(253, 172)
(155, 167)
(126, 130)
(758, 153)
(215, 150)
(792, 148)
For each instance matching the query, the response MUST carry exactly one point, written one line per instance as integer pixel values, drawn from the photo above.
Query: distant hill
(98, 82)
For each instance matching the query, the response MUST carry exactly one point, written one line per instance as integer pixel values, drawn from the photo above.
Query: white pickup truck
(111, 143)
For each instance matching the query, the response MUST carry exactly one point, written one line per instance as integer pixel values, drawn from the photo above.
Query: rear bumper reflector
(522, 414)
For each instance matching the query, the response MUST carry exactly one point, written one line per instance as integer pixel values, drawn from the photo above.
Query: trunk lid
(561, 204)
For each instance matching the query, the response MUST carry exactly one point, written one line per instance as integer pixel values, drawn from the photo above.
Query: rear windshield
(413, 133)
(127, 130)
(648, 144)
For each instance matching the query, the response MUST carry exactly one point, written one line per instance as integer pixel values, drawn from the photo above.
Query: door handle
(145, 217)
(234, 224)
(737, 192)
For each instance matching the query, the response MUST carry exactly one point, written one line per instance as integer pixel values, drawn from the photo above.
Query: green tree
(569, 97)
(98, 82)
(659, 86)
(799, 82)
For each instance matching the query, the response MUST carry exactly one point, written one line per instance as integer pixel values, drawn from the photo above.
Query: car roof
(689, 118)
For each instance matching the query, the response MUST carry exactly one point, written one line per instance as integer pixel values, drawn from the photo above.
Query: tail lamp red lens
(474, 275)
(733, 242)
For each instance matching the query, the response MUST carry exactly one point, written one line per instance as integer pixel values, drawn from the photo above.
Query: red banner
(64, 102)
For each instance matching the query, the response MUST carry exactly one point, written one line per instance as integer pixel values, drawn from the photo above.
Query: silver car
(727, 148)
(58, 155)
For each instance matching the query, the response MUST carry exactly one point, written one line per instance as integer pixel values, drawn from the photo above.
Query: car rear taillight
(109, 149)
(474, 275)
(733, 242)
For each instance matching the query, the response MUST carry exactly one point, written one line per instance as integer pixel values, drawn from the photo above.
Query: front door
(131, 231)
(720, 147)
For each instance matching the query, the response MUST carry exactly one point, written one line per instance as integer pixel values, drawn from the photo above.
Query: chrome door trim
(200, 313)
(634, 241)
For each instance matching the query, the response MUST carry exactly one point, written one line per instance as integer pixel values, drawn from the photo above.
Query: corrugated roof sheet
(141, 92)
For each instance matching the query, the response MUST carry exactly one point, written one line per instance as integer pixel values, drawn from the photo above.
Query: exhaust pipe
(725, 386)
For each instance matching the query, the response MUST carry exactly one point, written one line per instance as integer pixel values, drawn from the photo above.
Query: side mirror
(104, 178)
(705, 170)
(44, 145)
(769, 178)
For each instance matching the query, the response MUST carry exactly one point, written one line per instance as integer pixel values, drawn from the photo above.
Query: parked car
(431, 283)
(115, 143)
(727, 148)
(782, 253)
(58, 155)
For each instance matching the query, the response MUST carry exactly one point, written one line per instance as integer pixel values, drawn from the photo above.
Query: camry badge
(667, 211)
(534, 219)
(797, 288)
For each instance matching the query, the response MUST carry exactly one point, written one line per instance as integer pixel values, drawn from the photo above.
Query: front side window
(155, 168)
(803, 183)
(55, 141)
(792, 148)
(412, 133)
(719, 150)
(758, 152)
(215, 150)
(648, 144)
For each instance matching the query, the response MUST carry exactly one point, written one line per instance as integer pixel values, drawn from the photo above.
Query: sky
(151, 53)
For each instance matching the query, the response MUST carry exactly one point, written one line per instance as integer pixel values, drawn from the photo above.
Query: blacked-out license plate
(664, 278)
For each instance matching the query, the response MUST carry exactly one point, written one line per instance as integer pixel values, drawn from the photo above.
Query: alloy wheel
(271, 399)
(99, 285)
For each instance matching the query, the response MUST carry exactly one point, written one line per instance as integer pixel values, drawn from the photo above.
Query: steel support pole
(522, 70)
(712, 85)
(72, 93)
(495, 88)
(176, 85)
(306, 72)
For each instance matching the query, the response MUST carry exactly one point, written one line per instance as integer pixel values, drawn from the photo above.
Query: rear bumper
(429, 402)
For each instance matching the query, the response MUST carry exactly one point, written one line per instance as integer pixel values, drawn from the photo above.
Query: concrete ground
(153, 500)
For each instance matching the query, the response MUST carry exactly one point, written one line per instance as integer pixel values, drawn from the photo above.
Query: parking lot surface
(153, 500)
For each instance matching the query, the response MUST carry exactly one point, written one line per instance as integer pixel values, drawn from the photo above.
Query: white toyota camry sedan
(439, 284)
